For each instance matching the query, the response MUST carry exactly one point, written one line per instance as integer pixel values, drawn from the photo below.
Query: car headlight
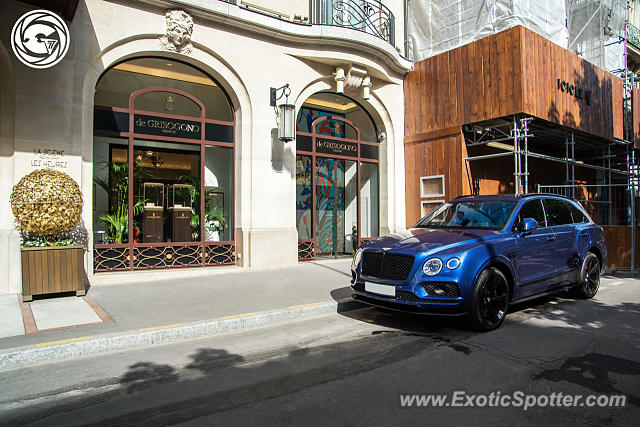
(432, 266)
(453, 263)
(356, 259)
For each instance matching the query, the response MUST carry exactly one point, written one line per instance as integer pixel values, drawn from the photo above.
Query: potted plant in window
(117, 187)
(214, 224)
(46, 204)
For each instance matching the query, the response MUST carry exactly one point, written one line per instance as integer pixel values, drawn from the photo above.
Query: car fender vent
(410, 296)
(441, 289)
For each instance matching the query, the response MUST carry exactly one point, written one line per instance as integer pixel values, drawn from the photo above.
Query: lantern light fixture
(285, 113)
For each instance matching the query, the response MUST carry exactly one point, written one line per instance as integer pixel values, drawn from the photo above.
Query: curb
(81, 346)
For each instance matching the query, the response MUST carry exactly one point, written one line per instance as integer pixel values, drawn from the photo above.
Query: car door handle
(551, 238)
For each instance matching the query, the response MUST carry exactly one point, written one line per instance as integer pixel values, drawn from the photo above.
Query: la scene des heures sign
(47, 158)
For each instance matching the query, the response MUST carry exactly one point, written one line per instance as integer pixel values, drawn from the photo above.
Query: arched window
(173, 141)
(337, 202)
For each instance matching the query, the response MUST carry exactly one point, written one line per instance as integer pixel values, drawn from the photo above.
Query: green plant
(214, 218)
(41, 241)
(118, 222)
(117, 188)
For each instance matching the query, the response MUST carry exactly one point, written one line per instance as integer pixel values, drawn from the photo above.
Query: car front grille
(410, 296)
(441, 289)
(386, 266)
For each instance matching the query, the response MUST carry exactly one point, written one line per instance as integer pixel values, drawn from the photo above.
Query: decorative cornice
(297, 34)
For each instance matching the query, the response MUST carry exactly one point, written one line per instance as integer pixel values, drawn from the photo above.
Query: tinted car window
(558, 212)
(577, 215)
(487, 214)
(531, 209)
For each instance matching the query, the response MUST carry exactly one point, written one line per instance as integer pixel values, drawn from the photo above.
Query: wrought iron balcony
(633, 35)
(368, 16)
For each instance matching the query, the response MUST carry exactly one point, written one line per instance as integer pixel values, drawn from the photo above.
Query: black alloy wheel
(490, 300)
(589, 277)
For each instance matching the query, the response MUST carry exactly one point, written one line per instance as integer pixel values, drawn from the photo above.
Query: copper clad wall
(515, 71)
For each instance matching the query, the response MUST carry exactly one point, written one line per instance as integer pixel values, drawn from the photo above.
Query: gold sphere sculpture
(46, 202)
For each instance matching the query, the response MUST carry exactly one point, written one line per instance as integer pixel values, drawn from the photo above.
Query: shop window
(167, 103)
(181, 198)
(166, 192)
(303, 197)
(334, 105)
(116, 86)
(369, 203)
(111, 174)
(218, 187)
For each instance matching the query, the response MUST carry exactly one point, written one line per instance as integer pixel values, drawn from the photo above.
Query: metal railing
(633, 35)
(368, 16)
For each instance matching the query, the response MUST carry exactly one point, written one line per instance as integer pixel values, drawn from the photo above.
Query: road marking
(618, 283)
(235, 316)
(293, 307)
(50, 343)
(158, 328)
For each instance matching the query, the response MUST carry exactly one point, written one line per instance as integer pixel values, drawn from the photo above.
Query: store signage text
(161, 126)
(48, 158)
(342, 148)
(575, 90)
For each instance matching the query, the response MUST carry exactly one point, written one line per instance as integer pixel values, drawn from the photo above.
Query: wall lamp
(285, 113)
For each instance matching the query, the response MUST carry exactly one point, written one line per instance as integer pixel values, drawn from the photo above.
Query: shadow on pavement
(216, 380)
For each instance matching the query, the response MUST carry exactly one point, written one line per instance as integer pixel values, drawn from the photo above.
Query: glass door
(336, 218)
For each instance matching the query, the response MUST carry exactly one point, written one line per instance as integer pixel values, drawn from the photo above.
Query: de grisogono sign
(150, 125)
(344, 148)
(575, 90)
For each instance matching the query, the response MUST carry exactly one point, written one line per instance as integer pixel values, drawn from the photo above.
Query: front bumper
(406, 300)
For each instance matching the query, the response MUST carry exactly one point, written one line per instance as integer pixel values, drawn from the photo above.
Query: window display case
(153, 213)
(179, 196)
(153, 194)
(179, 212)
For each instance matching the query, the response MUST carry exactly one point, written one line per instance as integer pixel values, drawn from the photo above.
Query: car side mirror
(528, 225)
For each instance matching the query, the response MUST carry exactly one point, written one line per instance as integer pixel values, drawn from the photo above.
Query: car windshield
(490, 215)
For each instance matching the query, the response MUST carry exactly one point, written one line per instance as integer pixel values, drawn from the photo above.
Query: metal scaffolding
(512, 137)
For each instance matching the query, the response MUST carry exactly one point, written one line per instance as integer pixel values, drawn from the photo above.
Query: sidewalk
(164, 306)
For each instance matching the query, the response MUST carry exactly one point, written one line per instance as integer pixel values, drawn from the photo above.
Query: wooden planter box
(53, 269)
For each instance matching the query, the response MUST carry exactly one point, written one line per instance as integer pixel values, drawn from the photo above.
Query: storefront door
(336, 206)
(336, 193)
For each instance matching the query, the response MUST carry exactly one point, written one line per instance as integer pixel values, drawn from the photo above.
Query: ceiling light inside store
(339, 105)
(158, 72)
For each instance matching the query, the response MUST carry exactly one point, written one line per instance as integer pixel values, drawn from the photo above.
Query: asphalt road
(354, 368)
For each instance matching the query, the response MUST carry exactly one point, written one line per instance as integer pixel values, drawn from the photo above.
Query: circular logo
(40, 39)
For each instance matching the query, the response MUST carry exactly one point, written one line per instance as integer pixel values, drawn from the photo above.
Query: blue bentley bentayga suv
(475, 255)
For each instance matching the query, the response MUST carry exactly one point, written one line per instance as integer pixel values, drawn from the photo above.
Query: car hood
(426, 239)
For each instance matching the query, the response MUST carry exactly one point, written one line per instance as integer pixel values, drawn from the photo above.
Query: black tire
(489, 301)
(589, 282)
